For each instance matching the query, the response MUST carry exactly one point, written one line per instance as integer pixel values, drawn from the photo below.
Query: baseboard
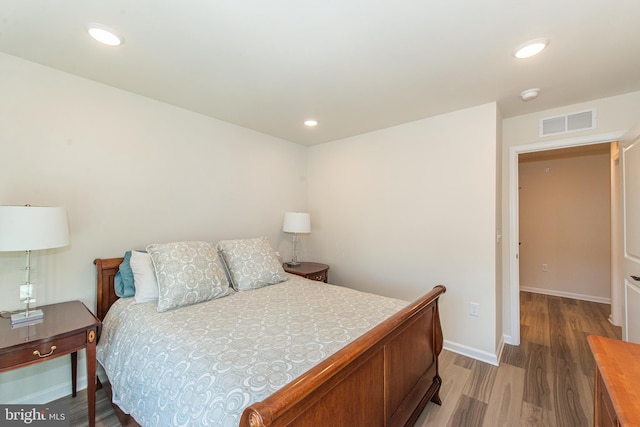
(566, 294)
(50, 394)
(474, 353)
(506, 339)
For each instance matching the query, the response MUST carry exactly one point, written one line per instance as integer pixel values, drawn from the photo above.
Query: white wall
(130, 171)
(394, 211)
(614, 114)
(400, 210)
(565, 224)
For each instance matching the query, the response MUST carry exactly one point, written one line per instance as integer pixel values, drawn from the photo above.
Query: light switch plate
(25, 291)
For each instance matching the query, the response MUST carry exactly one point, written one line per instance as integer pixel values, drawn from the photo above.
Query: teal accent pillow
(123, 281)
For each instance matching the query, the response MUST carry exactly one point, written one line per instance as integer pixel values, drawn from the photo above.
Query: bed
(383, 377)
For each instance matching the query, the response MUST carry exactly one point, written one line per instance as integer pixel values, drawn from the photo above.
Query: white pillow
(144, 277)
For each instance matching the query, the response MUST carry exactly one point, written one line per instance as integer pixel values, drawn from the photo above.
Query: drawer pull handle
(37, 352)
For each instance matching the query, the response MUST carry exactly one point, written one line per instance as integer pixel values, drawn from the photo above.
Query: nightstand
(309, 270)
(66, 328)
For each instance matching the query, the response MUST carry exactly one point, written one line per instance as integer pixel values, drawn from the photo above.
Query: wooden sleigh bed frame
(384, 378)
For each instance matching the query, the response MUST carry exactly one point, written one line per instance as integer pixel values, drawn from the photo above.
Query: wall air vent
(570, 123)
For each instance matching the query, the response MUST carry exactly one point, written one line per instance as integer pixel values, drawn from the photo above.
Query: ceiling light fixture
(529, 94)
(311, 123)
(104, 34)
(530, 48)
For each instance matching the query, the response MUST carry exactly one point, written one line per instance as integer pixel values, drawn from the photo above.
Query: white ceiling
(354, 65)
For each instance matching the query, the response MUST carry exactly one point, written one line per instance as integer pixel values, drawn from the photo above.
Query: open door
(630, 150)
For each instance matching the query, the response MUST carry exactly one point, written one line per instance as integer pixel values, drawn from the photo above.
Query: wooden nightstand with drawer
(309, 270)
(65, 329)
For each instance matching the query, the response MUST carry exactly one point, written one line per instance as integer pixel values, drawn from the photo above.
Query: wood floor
(546, 381)
(105, 416)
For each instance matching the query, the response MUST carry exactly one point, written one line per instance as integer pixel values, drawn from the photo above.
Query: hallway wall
(565, 223)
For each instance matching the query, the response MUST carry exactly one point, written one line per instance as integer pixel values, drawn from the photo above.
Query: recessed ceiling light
(530, 48)
(529, 94)
(104, 34)
(311, 123)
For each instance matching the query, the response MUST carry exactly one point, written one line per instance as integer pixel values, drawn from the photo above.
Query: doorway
(514, 271)
(565, 227)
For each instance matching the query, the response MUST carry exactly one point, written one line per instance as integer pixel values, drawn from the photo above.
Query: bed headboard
(107, 269)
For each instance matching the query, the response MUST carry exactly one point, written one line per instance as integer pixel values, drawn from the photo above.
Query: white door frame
(514, 270)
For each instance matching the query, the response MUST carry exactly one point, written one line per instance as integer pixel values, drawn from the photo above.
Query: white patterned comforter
(203, 364)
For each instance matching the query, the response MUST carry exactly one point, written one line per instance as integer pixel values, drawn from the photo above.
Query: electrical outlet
(474, 309)
(545, 267)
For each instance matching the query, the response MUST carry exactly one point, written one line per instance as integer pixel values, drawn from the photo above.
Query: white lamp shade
(296, 222)
(28, 228)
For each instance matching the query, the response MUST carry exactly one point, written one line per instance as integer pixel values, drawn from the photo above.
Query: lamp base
(293, 263)
(22, 319)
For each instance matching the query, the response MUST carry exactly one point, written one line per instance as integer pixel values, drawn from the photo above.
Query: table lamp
(296, 222)
(29, 228)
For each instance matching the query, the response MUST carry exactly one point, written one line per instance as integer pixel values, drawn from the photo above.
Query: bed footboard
(384, 378)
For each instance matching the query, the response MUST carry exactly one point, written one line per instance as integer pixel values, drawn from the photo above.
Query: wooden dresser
(617, 382)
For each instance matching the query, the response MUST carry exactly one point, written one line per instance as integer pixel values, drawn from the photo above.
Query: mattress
(203, 364)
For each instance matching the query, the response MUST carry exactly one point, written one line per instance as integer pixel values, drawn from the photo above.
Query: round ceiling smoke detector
(530, 94)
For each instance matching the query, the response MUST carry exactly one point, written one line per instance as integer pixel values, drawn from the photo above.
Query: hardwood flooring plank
(505, 403)
(105, 416)
(454, 377)
(463, 361)
(595, 322)
(538, 303)
(568, 403)
(534, 416)
(538, 376)
(525, 298)
(562, 341)
(605, 313)
(569, 301)
(469, 412)
(514, 356)
(602, 312)
(586, 393)
(480, 383)
(585, 358)
(577, 321)
(445, 358)
(531, 306)
(538, 330)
